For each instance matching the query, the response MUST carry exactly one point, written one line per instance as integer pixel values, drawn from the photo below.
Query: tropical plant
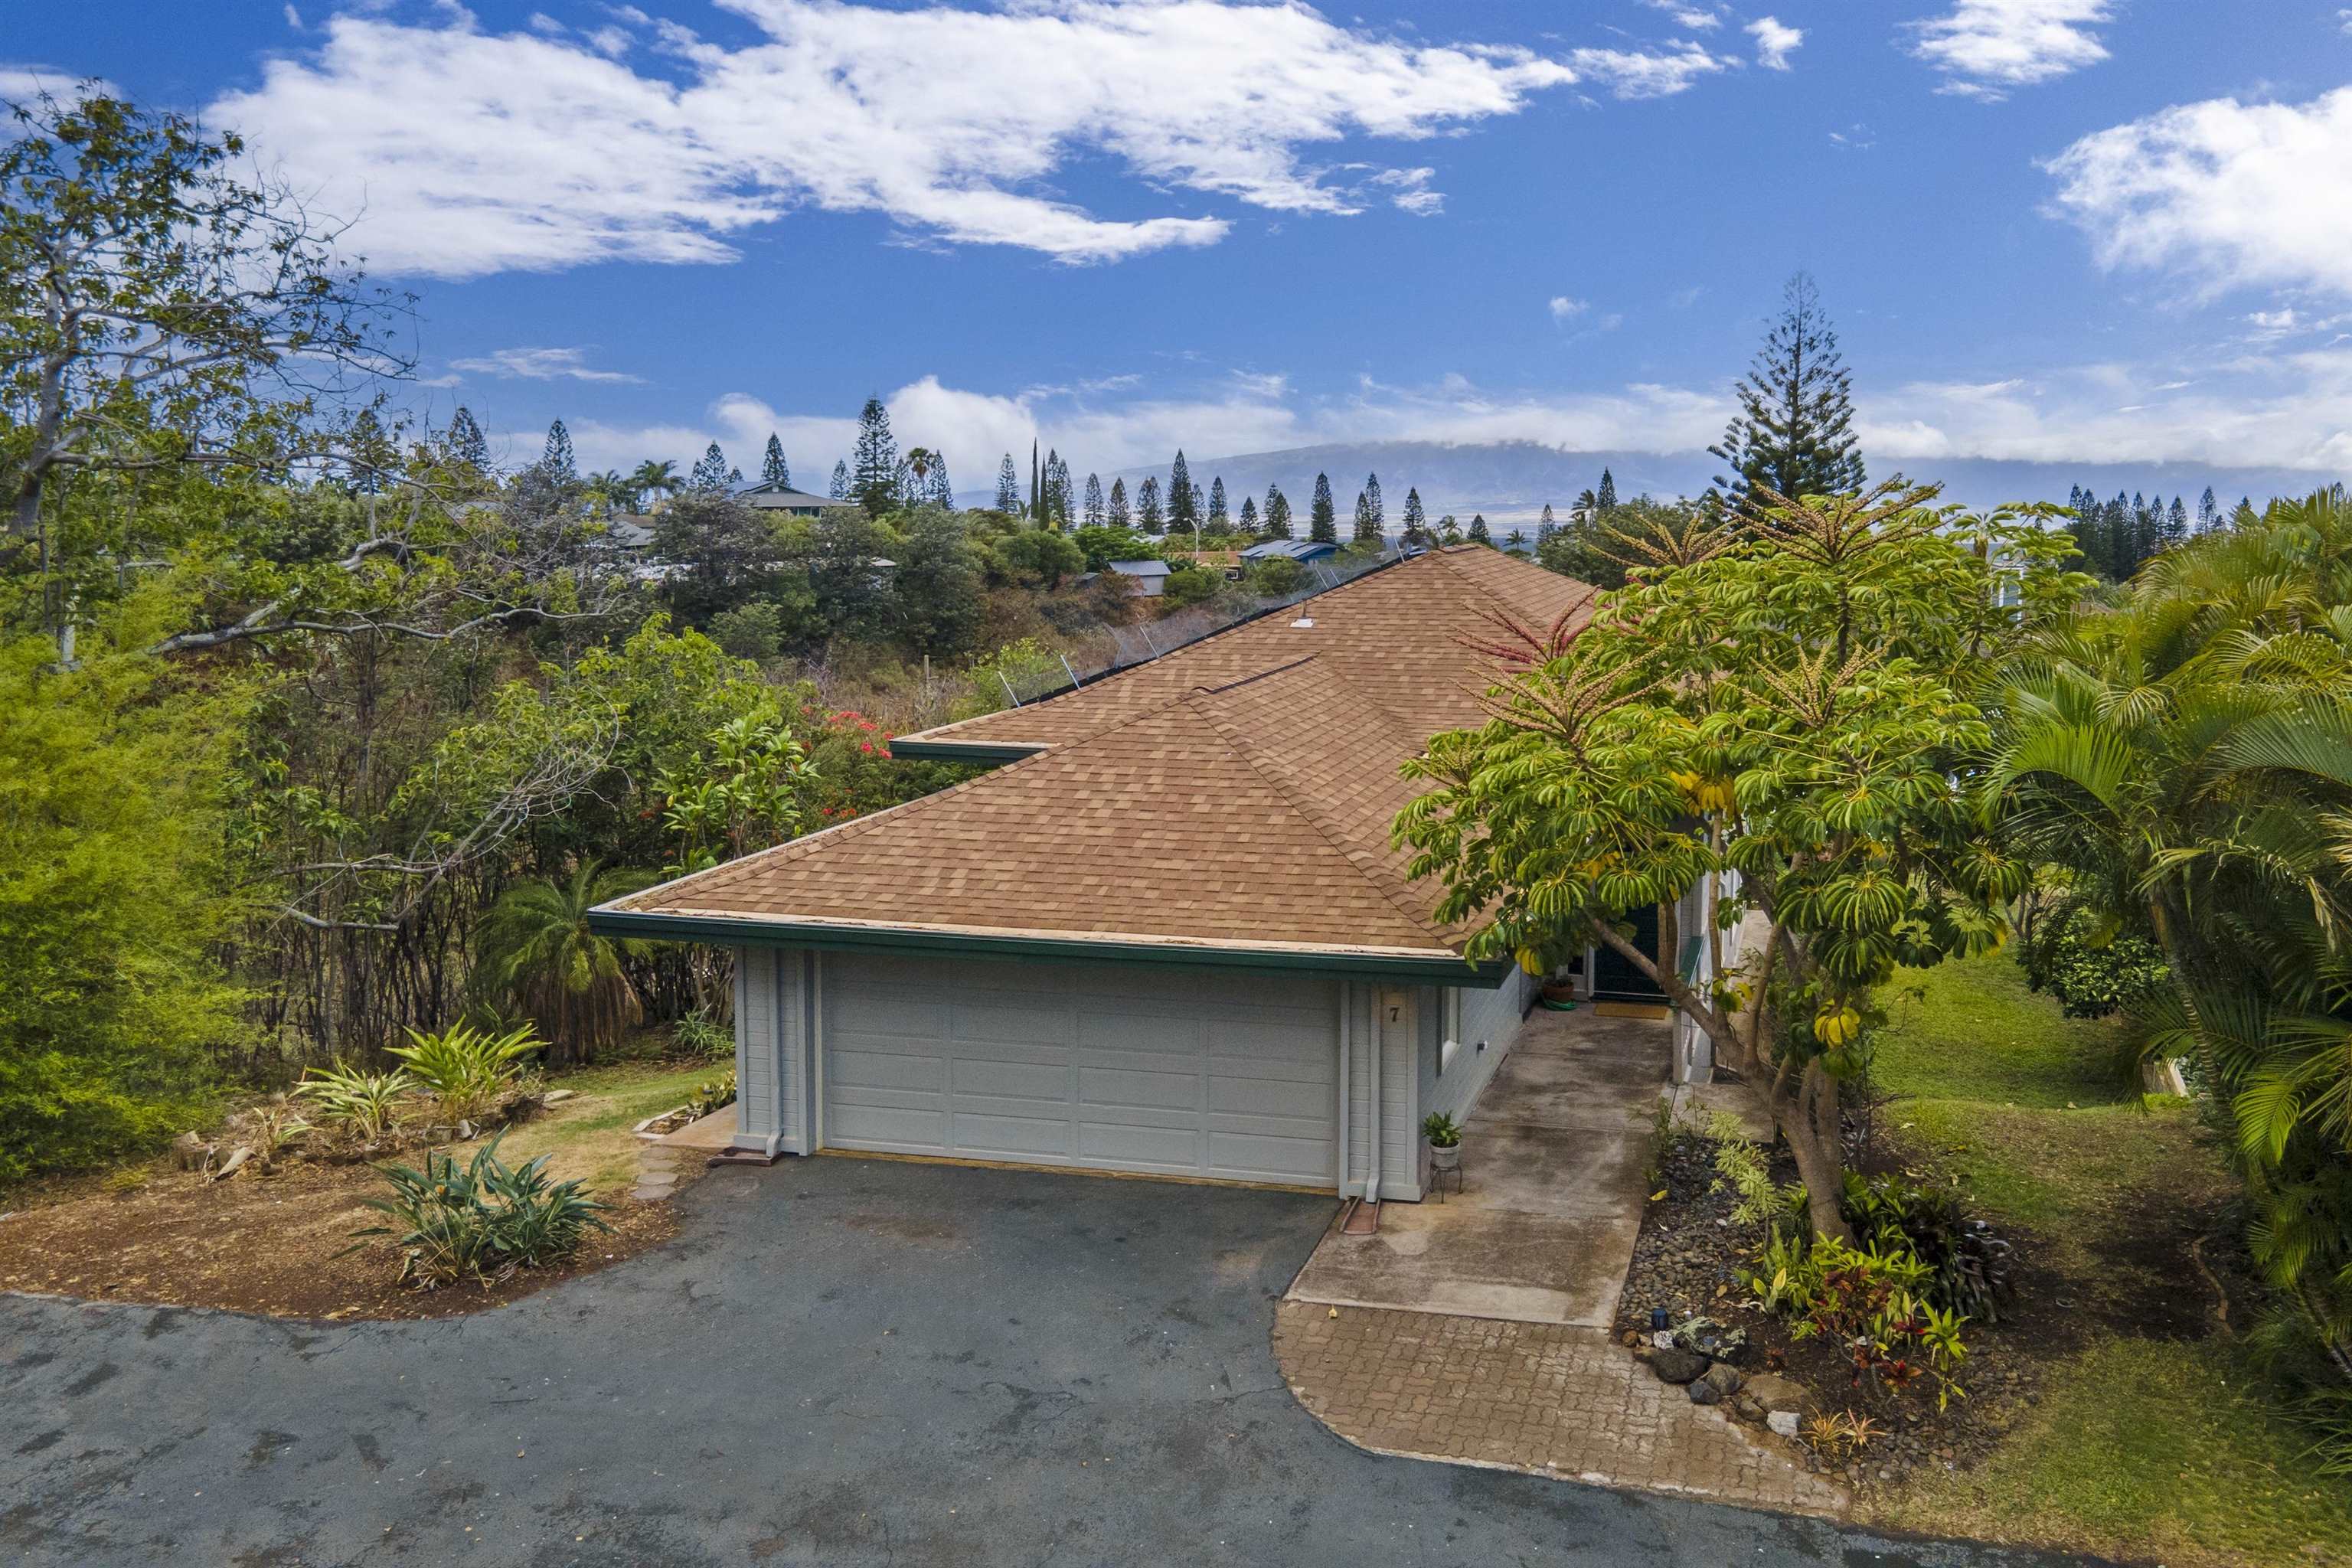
(1442, 1130)
(2088, 962)
(365, 1104)
(716, 1095)
(478, 1221)
(747, 792)
(1842, 1434)
(698, 1034)
(656, 480)
(2187, 761)
(536, 951)
(465, 1070)
(1779, 720)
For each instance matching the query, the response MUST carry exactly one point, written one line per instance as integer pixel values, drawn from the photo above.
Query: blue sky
(2054, 230)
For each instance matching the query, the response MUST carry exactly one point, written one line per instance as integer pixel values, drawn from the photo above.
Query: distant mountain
(1511, 481)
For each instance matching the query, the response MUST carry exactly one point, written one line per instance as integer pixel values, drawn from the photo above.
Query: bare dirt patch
(264, 1245)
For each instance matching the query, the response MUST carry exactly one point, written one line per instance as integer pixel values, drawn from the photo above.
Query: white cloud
(2286, 410)
(25, 83)
(1687, 16)
(540, 365)
(1987, 46)
(462, 152)
(1775, 41)
(1564, 309)
(2229, 194)
(2293, 411)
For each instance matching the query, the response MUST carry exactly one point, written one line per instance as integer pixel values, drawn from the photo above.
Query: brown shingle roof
(1396, 632)
(1219, 798)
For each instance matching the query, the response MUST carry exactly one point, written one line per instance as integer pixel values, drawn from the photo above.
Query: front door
(1614, 978)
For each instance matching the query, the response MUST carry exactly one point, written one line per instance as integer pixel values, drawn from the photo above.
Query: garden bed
(270, 1244)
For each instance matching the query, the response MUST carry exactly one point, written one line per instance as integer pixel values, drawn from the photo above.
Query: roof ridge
(1383, 882)
(1377, 571)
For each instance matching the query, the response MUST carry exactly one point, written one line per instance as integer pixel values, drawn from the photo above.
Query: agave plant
(478, 1221)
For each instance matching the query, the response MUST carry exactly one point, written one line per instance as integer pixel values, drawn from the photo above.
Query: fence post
(1008, 688)
(1068, 670)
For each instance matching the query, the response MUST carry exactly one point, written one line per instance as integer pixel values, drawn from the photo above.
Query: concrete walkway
(1543, 1229)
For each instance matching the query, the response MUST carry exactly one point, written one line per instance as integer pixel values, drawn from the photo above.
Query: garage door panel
(988, 1136)
(1124, 1069)
(1174, 1149)
(1162, 1090)
(1247, 1156)
(854, 1067)
(1268, 1097)
(1013, 1080)
(901, 1130)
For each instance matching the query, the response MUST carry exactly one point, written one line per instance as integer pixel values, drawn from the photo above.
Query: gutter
(1438, 968)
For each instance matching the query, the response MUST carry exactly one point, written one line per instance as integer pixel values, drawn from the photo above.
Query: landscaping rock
(1747, 1409)
(233, 1164)
(1782, 1422)
(1774, 1391)
(1704, 1393)
(1674, 1365)
(190, 1152)
(1724, 1379)
(557, 1096)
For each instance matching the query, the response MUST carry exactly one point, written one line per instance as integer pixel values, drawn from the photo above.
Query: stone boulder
(1724, 1379)
(1674, 1365)
(1774, 1391)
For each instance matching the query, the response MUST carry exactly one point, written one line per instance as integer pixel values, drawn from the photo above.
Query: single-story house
(772, 497)
(1168, 932)
(1151, 576)
(1303, 551)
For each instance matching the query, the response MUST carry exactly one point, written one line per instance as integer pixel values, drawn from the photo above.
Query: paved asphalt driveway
(837, 1362)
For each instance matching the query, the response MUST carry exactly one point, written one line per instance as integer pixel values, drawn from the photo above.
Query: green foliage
(754, 631)
(1099, 546)
(1190, 586)
(1872, 1300)
(1024, 671)
(111, 899)
(1037, 558)
(938, 584)
(1276, 578)
(2187, 762)
(465, 1070)
(365, 1104)
(748, 790)
(480, 1221)
(1442, 1130)
(2091, 968)
(536, 951)
(700, 1034)
(715, 1095)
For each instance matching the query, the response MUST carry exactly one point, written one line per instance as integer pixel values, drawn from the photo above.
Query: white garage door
(1146, 1068)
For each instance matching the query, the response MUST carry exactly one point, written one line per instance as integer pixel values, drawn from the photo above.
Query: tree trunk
(1808, 1118)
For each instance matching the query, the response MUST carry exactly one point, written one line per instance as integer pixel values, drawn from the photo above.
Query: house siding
(1488, 1021)
(771, 994)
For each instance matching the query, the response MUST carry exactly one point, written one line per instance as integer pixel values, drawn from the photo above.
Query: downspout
(1346, 1085)
(1373, 1102)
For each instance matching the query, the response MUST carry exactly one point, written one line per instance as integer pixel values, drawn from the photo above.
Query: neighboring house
(1303, 551)
(1151, 576)
(1170, 933)
(772, 497)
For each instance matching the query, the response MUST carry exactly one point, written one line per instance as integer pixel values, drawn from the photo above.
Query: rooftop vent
(1304, 621)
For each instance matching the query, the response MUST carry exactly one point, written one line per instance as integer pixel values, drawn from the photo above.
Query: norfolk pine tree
(1323, 520)
(1794, 431)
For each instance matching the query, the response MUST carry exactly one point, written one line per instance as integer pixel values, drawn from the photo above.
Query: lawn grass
(2142, 1447)
(589, 1136)
(1972, 1029)
(2148, 1450)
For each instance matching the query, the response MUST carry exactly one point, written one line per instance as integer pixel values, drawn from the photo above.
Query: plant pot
(1446, 1158)
(1559, 991)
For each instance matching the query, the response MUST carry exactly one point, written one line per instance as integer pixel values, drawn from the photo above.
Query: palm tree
(609, 489)
(654, 479)
(2187, 760)
(535, 951)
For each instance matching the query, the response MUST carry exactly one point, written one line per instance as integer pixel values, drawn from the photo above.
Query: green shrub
(2091, 968)
(480, 1221)
(464, 1069)
(1442, 1130)
(113, 999)
(716, 1095)
(698, 1035)
(365, 1104)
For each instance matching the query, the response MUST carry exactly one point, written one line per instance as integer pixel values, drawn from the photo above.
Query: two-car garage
(1151, 1069)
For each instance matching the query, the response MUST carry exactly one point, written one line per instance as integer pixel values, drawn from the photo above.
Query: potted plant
(1444, 1135)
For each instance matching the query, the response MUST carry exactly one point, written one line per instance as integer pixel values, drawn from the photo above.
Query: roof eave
(1438, 968)
(916, 749)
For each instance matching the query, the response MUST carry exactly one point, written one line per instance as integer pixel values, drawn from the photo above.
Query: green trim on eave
(904, 750)
(723, 930)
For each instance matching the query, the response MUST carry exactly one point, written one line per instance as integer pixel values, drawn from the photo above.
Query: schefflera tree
(1784, 707)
